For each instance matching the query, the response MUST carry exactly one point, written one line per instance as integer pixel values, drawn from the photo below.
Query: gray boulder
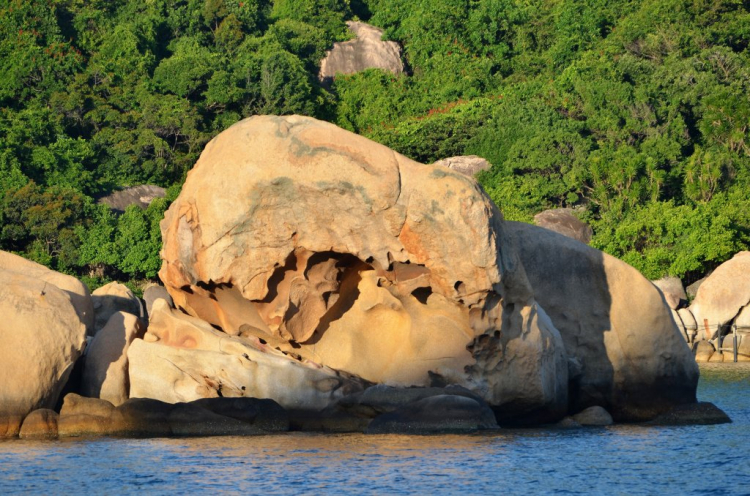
(593, 416)
(468, 165)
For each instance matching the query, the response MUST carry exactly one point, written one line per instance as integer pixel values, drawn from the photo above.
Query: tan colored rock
(563, 221)
(367, 51)
(112, 298)
(184, 359)
(105, 374)
(703, 351)
(332, 247)
(78, 292)
(39, 424)
(671, 288)
(468, 165)
(613, 321)
(42, 337)
(725, 292)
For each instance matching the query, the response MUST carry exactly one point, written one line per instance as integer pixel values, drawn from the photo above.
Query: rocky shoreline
(317, 281)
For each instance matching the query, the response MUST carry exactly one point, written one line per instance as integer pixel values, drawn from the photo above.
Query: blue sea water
(622, 459)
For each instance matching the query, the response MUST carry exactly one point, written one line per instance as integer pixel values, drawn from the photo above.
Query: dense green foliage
(635, 112)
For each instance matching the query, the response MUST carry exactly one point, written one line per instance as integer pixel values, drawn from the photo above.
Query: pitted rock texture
(337, 249)
(563, 221)
(366, 51)
(41, 337)
(635, 363)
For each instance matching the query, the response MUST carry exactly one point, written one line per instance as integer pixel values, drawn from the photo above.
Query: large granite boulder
(634, 362)
(564, 221)
(366, 51)
(105, 373)
(469, 165)
(724, 293)
(79, 294)
(337, 250)
(41, 337)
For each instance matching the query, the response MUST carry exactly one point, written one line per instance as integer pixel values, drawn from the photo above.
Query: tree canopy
(633, 112)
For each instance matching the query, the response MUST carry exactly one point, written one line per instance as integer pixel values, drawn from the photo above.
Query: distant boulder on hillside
(141, 195)
(366, 51)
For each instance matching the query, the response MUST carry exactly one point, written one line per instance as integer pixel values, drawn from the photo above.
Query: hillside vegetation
(636, 113)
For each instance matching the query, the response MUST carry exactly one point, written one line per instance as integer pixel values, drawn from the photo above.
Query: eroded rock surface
(331, 247)
(366, 51)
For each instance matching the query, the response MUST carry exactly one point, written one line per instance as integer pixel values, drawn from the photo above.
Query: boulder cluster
(719, 311)
(316, 280)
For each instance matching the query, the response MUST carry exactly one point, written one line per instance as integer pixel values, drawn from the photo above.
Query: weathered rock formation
(141, 195)
(613, 321)
(41, 337)
(367, 51)
(563, 221)
(468, 165)
(296, 246)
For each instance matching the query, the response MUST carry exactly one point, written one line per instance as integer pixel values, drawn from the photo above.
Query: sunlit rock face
(339, 251)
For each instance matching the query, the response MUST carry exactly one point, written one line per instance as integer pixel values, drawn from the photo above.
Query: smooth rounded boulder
(112, 298)
(42, 337)
(635, 363)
